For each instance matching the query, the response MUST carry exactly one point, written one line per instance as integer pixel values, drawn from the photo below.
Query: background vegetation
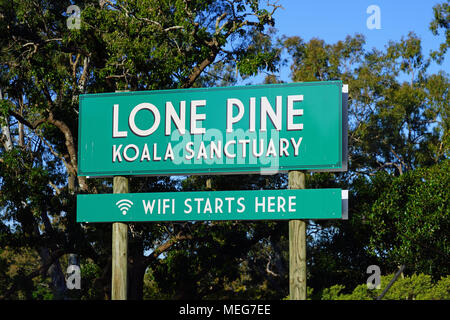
(398, 173)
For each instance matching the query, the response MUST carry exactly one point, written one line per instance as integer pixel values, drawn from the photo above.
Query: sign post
(297, 245)
(119, 248)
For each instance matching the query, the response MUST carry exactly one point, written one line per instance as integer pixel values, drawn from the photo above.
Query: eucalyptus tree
(51, 52)
(398, 125)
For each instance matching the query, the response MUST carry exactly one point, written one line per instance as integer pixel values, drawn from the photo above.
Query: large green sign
(215, 205)
(252, 129)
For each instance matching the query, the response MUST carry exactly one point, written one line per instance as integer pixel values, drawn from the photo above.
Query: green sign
(251, 129)
(214, 205)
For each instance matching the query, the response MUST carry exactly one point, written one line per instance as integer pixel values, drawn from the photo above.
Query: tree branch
(32, 125)
(199, 68)
(62, 127)
(164, 247)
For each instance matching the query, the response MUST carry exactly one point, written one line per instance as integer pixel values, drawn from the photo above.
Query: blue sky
(333, 20)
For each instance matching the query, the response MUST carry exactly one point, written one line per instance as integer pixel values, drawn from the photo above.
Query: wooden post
(297, 245)
(208, 184)
(119, 248)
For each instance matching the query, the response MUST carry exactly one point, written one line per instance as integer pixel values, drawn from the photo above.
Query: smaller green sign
(211, 205)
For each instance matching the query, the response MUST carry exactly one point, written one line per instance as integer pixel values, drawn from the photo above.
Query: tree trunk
(58, 281)
(136, 265)
(7, 141)
(136, 272)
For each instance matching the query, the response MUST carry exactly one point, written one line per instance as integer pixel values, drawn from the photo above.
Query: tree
(398, 124)
(15, 265)
(441, 20)
(121, 45)
(230, 259)
(399, 134)
(411, 218)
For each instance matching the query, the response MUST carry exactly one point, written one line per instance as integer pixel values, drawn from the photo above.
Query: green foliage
(332, 293)
(416, 287)
(411, 218)
(227, 259)
(121, 45)
(90, 288)
(318, 61)
(441, 20)
(42, 291)
(396, 129)
(15, 265)
(399, 145)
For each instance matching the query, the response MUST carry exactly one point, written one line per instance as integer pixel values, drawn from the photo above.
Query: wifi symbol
(124, 205)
